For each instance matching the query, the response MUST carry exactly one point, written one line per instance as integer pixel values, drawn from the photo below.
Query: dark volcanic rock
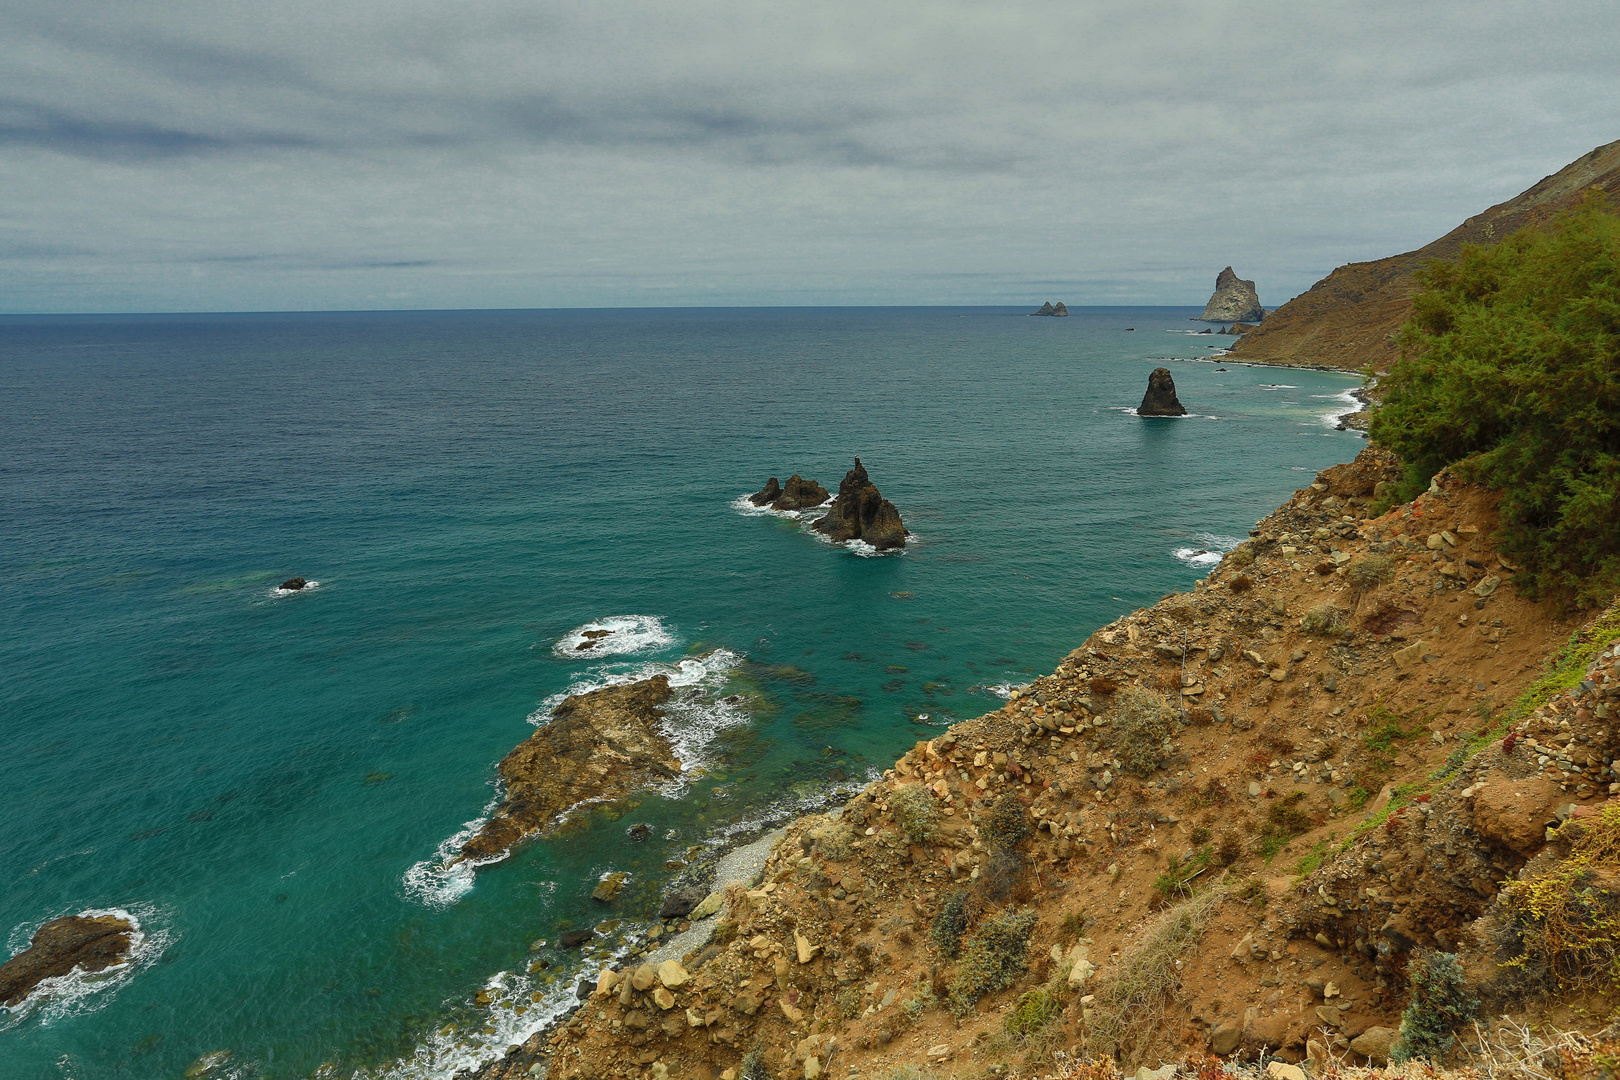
(90, 943)
(861, 513)
(573, 939)
(1160, 399)
(798, 494)
(1050, 308)
(1234, 300)
(598, 746)
(294, 584)
(681, 902)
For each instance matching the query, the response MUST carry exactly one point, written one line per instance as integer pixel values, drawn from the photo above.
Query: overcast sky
(333, 154)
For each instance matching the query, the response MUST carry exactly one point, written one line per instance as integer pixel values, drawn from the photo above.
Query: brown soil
(1270, 801)
(1349, 319)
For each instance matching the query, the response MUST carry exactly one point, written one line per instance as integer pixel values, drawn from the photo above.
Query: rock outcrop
(293, 584)
(1349, 319)
(597, 746)
(861, 513)
(1234, 300)
(1050, 308)
(799, 494)
(1160, 399)
(89, 943)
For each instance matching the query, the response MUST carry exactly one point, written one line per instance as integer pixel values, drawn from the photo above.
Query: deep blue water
(264, 780)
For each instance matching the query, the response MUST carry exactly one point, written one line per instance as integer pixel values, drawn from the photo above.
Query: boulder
(597, 746)
(1225, 1038)
(861, 513)
(682, 902)
(294, 584)
(607, 890)
(89, 943)
(767, 494)
(573, 939)
(1234, 300)
(1515, 813)
(1374, 1044)
(1160, 399)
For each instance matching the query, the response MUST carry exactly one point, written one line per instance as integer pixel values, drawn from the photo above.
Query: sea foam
(619, 635)
(78, 991)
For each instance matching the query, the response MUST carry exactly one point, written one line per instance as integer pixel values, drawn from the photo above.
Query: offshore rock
(798, 494)
(1050, 308)
(597, 746)
(294, 584)
(861, 513)
(1160, 399)
(89, 943)
(1234, 300)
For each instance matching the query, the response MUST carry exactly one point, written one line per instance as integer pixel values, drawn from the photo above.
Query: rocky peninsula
(860, 512)
(1234, 300)
(597, 746)
(1160, 399)
(87, 943)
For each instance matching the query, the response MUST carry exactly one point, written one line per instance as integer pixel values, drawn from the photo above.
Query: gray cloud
(349, 153)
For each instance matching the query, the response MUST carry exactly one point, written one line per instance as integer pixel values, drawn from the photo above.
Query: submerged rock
(798, 494)
(597, 746)
(1160, 399)
(1234, 300)
(1050, 308)
(294, 584)
(861, 513)
(89, 943)
(607, 890)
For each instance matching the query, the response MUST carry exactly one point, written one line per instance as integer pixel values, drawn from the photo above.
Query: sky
(216, 155)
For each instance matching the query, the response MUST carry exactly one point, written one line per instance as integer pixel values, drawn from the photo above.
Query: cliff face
(1349, 319)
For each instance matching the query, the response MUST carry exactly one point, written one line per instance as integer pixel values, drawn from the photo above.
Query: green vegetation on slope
(1510, 373)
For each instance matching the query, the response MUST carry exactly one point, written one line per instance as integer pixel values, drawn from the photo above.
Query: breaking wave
(1208, 550)
(616, 635)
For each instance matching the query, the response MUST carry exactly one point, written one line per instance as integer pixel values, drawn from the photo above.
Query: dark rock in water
(607, 890)
(1234, 300)
(90, 943)
(767, 494)
(837, 775)
(1206, 331)
(798, 494)
(1160, 399)
(1050, 308)
(861, 513)
(583, 991)
(681, 902)
(573, 939)
(294, 584)
(639, 831)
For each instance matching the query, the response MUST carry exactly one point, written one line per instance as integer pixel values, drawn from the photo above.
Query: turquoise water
(264, 780)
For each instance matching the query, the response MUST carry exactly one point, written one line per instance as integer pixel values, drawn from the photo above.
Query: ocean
(268, 782)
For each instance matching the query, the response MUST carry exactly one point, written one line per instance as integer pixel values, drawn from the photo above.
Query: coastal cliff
(1295, 772)
(1349, 319)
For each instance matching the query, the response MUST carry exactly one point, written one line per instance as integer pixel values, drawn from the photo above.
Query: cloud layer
(356, 154)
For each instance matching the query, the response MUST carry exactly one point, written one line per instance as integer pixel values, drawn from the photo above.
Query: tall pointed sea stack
(1234, 300)
(1160, 399)
(861, 513)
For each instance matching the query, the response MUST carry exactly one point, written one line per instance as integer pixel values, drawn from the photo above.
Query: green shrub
(1326, 620)
(753, 1065)
(993, 960)
(1284, 821)
(1033, 1012)
(1007, 823)
(1510, 372)
(1440, 1004)
(914, 811)
(1142, 725)
(1369, 572)
(955, 916)
(1240, 556)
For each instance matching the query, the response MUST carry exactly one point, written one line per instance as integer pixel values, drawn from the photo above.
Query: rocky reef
(861, 513)
(1160, 399)
(799, 494)
(293, 584)
(600, 745)
(1049, 308)
(1234, 300)
(89, 943)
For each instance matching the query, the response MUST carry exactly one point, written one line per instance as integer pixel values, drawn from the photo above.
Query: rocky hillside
(1225, 825)
(1349, 318)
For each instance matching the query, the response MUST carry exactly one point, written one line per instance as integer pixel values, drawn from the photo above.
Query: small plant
(1357, 795)
(1034, 1011)
(1001, 873)
(1228, 849)
(955, 916)
(1142, 725)
(914, 811)
(849, 1003)
(1251, 890)
(753, 1065)
(1007, 823)
(1384, 729)
(831, 841)
(1326, 620)
(1284, 821)
(1200, 835)
(1368, 573)
(1313, 860)
(993, 960)
(1241, 584)
(1073, 925)
(1240, 556)
(1440, 1004)
(919, 1002)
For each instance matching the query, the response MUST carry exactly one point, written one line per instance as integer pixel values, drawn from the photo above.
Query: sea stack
(798, 494)
(861, 513)
(294, 584)
(1050, 308)
(1234, 300)
(90, 943)
(1160, 399)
